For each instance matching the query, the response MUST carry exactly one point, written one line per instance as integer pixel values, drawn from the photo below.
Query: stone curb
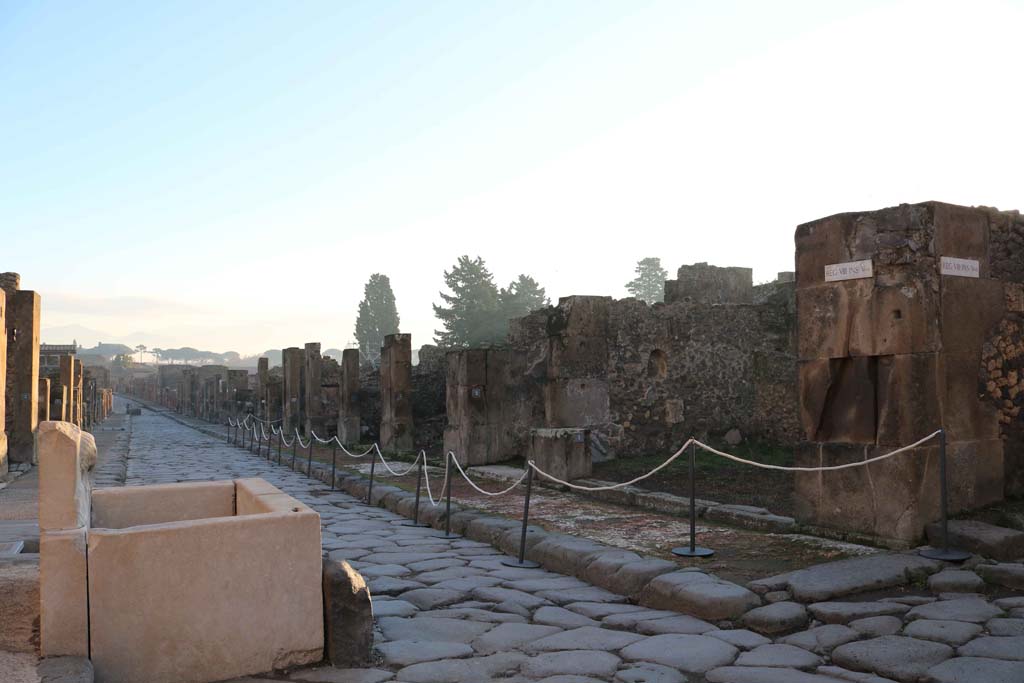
(649, 581)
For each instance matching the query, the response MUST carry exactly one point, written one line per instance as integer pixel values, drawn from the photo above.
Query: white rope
(301, 444)
(401, 474)
(611, 486)
(426, 479)
(830, 468)
(486, 493)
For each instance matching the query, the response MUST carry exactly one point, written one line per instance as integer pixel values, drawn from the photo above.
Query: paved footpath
(449, 611)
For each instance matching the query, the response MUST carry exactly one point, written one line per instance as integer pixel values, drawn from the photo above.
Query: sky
(227, 175)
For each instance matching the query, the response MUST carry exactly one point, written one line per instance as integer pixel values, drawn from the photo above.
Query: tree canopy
(649, 284)
(378, 316)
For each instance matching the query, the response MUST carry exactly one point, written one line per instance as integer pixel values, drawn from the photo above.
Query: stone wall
(887, 359)
(428, 398)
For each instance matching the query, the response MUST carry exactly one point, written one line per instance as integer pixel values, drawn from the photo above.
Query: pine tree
(472, 315)
(378, 316)
(649, 284)
(522, 296)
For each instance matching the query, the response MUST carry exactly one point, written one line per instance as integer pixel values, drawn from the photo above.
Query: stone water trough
(191, 582)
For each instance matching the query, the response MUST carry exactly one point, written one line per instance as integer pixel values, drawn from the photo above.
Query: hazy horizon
(227, 175)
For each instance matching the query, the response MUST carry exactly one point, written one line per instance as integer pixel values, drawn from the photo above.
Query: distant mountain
(66, 334)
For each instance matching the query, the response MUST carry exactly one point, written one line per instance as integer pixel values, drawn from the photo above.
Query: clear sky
(226, 175)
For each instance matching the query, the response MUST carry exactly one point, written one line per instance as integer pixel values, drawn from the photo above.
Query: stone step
(982, 538)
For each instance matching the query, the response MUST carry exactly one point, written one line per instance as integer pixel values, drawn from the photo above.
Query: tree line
(475, 310)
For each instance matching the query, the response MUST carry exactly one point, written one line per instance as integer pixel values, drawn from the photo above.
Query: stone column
(314, 399)
(292, 359)
(44, 399)
(348, 415)
(395, 394)
(67, 382)
(262, 378)
(79, 381)
(23, 355)
(3, 382)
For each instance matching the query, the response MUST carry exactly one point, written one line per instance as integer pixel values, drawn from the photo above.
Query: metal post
(945, 553)
(252, 437)
(448, 498)
(259, 442)
(309, 456)
(694, 550)
(280, 438)
(369, 492)
(523, 563)
(419, 483)
(334, 461)
(229, 432)
(295, 447)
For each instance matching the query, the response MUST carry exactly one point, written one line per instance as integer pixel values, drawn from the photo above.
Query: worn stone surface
(845, 612)
(1006, 647)
(942, 631)
(988, 540)
(779, 656)
(763, 674)
(691, 654)
(701, 595)
(896, 657)
(578, 662)
(953, 580)
(348, 615)
(974, 610)
(1008, 575)
(780, 617)
(872, 627)
(19, 606)
(975, 670)
(64, 670)
(822, 639)
(856, 575)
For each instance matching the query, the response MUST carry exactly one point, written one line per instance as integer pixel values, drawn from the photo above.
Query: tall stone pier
(22, 326)
(349, 431)
(292, 360)
(3, 383)
(262, 385)
(396, 393)
(77, 398)
(909, 320)
(313, 400)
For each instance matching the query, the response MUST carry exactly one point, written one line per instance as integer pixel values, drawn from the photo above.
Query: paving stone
(473, 670)
(649, 673)
(1008, 575)
(475, 614)
(698, 594)
(778, 596)
(972, 610)
(561, 617)
(1010, 603)
(982, 538)
(836, 672)
(738, 637)
(589, 594)
(896, 657)
(407, 652)
(780, 617)
(585, 638)
(389, 585)
(468, 584)
(330, 675)
(507, 637)
(1005, 627)
(873, 627)
(628, 620)
(691, 654)
(431, 629)
(434, 565)
(954, 580)
(763, 674)
(431, 598)
(845, 612)
(857, 575)
(500, 595)
(569, 678)
(680, 623)
(449, 573)
(942, 631)
(577, 662)
(1005, 647)
(545, 584)
(822, 639)
(372, 571)
(599, 610)
(788, 656)
(512, 608)
(977, 670)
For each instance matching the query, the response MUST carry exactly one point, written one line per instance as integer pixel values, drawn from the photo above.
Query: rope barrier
(488, 493)
(663, 465)
(401, 474)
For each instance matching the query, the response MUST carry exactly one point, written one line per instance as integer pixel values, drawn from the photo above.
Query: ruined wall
(703, 284)
(644, 378)
(4, 466)
(428, 398)
(396, 420)
(888, 358)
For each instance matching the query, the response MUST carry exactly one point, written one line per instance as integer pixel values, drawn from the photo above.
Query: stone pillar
(348, 415)
(314, 398)
(67, 382)
(3, 382)
(79, 382)
(23, 363)
(396, 393)
(44, 399)
(262, 379)
(292, 360)
(891, 348)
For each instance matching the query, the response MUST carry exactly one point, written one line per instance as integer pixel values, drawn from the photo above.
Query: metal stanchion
(945, 552)
(419, 483)
(229, 432)
(280, 438)
(252, 437)
(295, 447)
(694, 550)
(522, 562)
(309, 456)
(369, 492)
(448, 498)
(334, 461)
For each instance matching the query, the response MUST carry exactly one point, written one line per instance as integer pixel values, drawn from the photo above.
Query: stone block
(562, 453)
(965, 416)
(835, 239)
(64, 486)
(576, 402)
(971, 307)
(581, 315)
(19, 606)
(348, 616)
(988, 540)
(826, 315)
(697, 594)
(207, 599)
(837, 399)
(895, 319)
(961, 232)
(63, 604)
(23, 368)
(65, 670)
(578, 357)
(908, 398)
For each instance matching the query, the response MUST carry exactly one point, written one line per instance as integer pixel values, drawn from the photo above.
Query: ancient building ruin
(20, 407)
(910, 318)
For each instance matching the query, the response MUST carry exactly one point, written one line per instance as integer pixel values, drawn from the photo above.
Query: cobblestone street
(449, 611)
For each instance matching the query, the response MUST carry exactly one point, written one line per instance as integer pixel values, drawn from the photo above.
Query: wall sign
(852, 270)
(960, 267)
